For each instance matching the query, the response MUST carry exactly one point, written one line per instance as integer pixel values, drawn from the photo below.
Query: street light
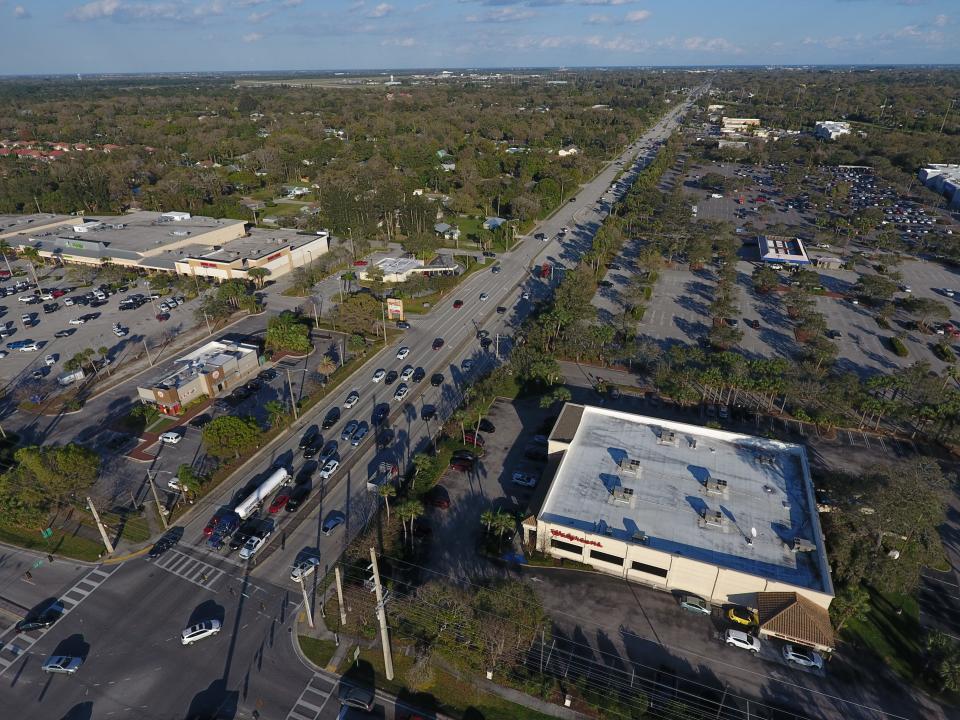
(293, 404)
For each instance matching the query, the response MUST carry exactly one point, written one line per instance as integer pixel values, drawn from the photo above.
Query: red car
(473, 438)
(163, 317)
(211, 525)
(359, 263)
(58, 293)
(279, 502)
(458, 304)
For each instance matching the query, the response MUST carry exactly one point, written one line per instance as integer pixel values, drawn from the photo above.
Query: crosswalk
(190, 569)
(13, 645)
(313, 698)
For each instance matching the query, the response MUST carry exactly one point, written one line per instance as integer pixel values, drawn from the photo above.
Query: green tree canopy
(288, 331)
(228, 436)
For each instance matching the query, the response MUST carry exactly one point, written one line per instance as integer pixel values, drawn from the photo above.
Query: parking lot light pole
(306, 602)
(293, 402)
(156, 499)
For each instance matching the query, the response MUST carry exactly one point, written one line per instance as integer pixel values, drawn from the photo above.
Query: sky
(71, 36)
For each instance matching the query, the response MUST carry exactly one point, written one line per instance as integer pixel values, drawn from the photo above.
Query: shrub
(899, 349)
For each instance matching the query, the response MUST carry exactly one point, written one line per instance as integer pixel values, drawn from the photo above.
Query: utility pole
(293, 402)
(383, 309)
(382, 616)
(207, 320)
(161, 511)
(316, 318)
(103, 530)
(949, 108)
(306, 602)
(343, 610)
(147, 349)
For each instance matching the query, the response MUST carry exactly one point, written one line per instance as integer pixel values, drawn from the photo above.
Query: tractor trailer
(279, 477)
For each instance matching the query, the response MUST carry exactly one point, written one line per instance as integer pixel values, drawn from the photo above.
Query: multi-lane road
(127, 619)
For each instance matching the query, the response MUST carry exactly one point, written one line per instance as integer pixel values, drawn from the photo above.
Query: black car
(51, 307)
(297, 496)
(312, 449)
(489, 253)
(161, 546)
(501, 310)
(486, 342)
(98, 303)
(41, 620)
(305, 475)
(428, 412)
(240, 393)
(308, 437)
(331, 418)
(240, 538)
(438, 343)
(436, 379)
(253, 385)
(486, 426)
(200, 421)
(391, 377)
(403, 325)
(267, 375)
(418, 375)
(380, 413)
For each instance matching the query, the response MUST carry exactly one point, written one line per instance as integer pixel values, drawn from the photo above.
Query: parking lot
(61, 325)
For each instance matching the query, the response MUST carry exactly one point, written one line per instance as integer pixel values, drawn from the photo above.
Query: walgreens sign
(570, 536)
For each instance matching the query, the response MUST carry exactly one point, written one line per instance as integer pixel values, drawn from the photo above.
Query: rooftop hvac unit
(640, 537)
(630, 466)
(803, 545)
(711, 519)
(622, 495)
(668, 437)
(716, 485)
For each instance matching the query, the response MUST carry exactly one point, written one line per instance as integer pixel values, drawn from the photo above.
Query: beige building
(684, 508)
(210, 370)
(736, 126)
(174, 242)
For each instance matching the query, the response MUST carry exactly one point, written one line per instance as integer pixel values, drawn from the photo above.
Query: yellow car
(742, 616)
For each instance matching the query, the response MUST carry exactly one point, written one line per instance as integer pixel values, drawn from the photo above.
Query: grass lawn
(66, 545)
(317, 651)
(135, 528)
(447, 693)
(896, 639)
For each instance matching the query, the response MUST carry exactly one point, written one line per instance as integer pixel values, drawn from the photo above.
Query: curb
(123, 558)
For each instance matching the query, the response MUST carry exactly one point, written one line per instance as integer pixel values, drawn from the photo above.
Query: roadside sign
(48, 533)
(37, 564)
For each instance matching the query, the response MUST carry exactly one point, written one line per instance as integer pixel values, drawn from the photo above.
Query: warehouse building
(13, 227)
(175, 242)
(943, 178)
(218, 366)
(830, 129)
(780, 249)
(726, 516)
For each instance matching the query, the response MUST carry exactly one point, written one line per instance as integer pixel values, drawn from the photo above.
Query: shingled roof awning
(794, 618)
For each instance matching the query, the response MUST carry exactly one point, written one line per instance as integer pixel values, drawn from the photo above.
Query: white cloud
(702, 44)
(941, 20)
(96, 9)
(598, 19)
(400, 42)
(503, 15)
(258, 17)
(381, 10)
(20, 12)
(638, 16)
(252, 37)
(605, 2)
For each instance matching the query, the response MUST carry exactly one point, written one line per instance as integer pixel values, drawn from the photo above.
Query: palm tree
(421, 463)
(387, 491)
(459, 417)
(488, 518)
(258, 275)
(327, 365)
(409, 510)
(276, 411)
(504, 522)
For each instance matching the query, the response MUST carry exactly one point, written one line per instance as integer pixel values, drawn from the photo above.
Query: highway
(128, 625)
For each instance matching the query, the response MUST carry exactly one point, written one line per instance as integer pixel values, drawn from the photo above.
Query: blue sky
(72, 36)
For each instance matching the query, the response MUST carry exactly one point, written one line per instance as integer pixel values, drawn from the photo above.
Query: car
(461, 464)
(525, 296)
(163, 317)
(355, 696)
(349, 429)
(802, 657)
(28, 346)
(495, 269)
(253, 385)
(352, 399)
(77, 321)
(252, 546)
(331, 418)
(329, 450)
(329, 469)
(297, 496)
(279, 502)
(438, 343)
(732, 322)
(39, 374)
(524, 478)
(64, 333)
(333, 520)
(41, 620)
(380, 413)
(436, 380)
(162, 545)
(164, 307)
(467, 364)
(362, 429)
(833, 334)
(308, 437)
(742, 616)
(378, 375)
(401, 392)
(403, 325)
(171, 437)
(200, 421)
(501, 310)
(483, 297)
(65, 664)
(304, 568)
(198, 632)
(26, 319)
(486, 426)
(403, 352)
(572, 200)
(564, 230)
(212, 524)
(437, 497)
(391, 377)
(755, 324)
(740, 639)
(120, 331)
(418, 375)
(428, 412)
(457, 304)
(694, 604)
(50, 361)
(267, 375)
(407, 373)
(51, 307)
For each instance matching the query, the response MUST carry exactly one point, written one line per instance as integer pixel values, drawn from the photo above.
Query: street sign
(46, 533)
(37, 564)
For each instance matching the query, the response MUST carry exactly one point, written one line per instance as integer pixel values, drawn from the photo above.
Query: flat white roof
(777, 248)
(397, 266)
(624, 475)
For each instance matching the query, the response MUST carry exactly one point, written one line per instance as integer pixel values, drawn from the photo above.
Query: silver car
(740, 639)
(199, 631)
(65, 664)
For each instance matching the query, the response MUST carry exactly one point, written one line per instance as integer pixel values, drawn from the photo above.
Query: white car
(352, 399)
(484, 296)
(403, 352)
(27, 298)
(3, 353)
(329, 469)
(77, 321)
(62, 664)
(120, 331)
(252, 546)
(524, 479)
(199, 631)
(29, 347)
(68, 302)
(525, 296)
(740, 639)
(802, 657)
(50, 360)
(401, 392)
(407, 373)
(171, 437)
(303, 568)
(379, 375)
(173, 484)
